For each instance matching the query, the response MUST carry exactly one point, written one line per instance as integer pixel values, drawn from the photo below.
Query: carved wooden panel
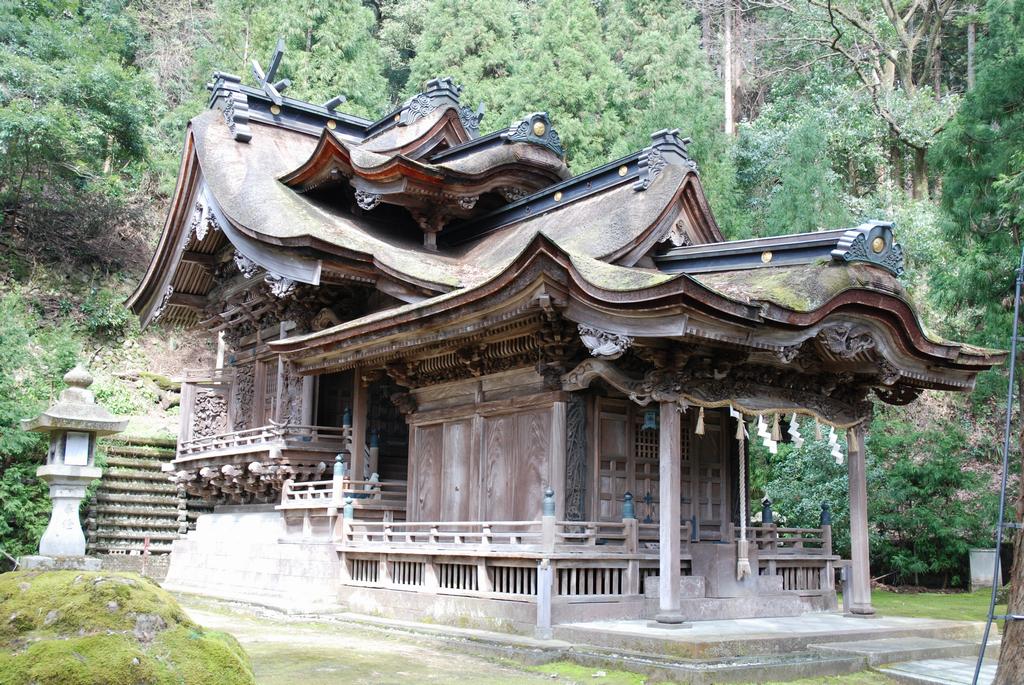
(458, 491)
(425, 476)
(244, 390)
(576, 458)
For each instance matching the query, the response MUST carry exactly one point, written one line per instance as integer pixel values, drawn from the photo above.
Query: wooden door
(424, 499)
(458, 472)
(711, 479)
(645, 465)
(613, 458)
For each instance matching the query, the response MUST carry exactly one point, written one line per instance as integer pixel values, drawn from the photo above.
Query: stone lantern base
(37, 561)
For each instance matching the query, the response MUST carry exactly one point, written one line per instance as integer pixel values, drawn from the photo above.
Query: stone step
(729, 608)
(149, 499)
(135, 463)
(896, 649)
(107, 525)
(127, 510)
(156, 453)
(135, 486)
(119, 473)
(144, 440)
(949, 671)
(139, 535)
(114, 548)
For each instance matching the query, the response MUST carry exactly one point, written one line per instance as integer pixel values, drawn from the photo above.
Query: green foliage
(928, 510)
(105, 314)
(74, 115)
(330, 48)
(32, 360)
(799, 480)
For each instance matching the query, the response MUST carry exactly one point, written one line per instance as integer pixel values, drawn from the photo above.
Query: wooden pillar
(359, 393)
(187, 405)
(556, 462)
(279, 416)
(858, 586)
(545, 587)
(308, 386)
(670, 457)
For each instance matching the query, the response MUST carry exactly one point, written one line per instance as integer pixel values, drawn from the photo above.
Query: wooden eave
(331, 154)
(544, 273)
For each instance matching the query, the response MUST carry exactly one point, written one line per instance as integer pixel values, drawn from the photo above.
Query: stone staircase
(135, 500)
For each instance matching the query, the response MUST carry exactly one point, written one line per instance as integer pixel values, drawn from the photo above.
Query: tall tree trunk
(937, 69)
(896, 164)
(1011, 652)
(919, 191)
(730, 128)
(971, 27)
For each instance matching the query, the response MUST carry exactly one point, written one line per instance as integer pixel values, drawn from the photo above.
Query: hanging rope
(742, 554)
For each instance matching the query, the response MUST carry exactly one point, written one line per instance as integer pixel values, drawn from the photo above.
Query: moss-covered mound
(96, 628)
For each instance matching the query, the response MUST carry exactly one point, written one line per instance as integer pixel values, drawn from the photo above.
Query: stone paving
(941, 672)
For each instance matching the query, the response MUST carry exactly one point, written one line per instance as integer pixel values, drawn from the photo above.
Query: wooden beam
(197, 302)
(207, 260)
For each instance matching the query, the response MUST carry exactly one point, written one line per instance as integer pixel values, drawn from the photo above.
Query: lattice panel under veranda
(458, 577)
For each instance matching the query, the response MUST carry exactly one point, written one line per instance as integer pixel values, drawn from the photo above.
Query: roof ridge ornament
(266, 80)
(437, 92)
(666, 147)
(536, 129)
(471, 120)
(236, 104)
(872, 242)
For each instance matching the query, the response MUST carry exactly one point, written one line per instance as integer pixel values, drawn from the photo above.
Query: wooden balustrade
(771, 540)
(265, 434)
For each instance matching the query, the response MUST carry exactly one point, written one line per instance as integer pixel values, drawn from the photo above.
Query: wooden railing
(333, 493)
(772, 540)
(545, 536)
(332, 435)
(221, 376)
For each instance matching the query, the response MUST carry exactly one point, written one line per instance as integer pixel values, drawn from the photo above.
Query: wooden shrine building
(454, 379)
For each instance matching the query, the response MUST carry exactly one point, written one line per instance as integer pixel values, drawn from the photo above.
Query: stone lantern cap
(76, 410)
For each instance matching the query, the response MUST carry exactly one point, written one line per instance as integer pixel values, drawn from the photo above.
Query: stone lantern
(73, 422)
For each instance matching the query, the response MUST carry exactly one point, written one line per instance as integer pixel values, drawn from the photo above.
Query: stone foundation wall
(236, 554)
(153, 566)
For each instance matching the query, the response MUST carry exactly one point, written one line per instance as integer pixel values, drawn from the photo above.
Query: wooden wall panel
(459, 493)
(498, 468)
(486, 466)
(532, 452)
(426, 473)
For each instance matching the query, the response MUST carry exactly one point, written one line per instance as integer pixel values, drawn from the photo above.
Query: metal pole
(1006, 464)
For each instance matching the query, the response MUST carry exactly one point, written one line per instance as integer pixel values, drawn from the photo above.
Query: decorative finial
(549, 502)
(78, 377)
(628, 510)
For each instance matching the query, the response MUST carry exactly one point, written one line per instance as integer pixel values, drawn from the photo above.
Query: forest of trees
(804, 114)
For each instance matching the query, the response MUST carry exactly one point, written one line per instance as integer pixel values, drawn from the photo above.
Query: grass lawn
(959, 606)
